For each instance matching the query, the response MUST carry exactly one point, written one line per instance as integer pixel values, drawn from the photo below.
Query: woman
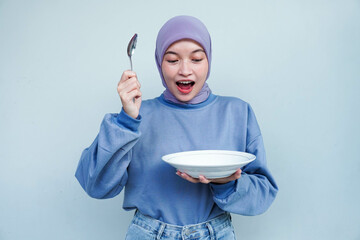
(187, 116)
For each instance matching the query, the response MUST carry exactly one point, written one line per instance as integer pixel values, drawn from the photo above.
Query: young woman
(187, 116)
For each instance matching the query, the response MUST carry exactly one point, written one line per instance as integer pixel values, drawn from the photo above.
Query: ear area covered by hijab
(175, 29)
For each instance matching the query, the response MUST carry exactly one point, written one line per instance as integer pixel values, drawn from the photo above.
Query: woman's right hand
(130, 94)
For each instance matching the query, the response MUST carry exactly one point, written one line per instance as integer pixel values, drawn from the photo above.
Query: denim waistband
(159, 228)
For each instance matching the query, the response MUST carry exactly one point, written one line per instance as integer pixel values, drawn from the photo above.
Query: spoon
(131, 47)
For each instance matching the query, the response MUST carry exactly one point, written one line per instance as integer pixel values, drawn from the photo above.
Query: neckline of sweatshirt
(124, 120)
(211, 99)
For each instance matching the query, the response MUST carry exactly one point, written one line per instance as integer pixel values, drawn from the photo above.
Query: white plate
(209, 163)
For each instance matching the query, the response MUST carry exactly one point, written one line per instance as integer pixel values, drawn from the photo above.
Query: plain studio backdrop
(296, 62)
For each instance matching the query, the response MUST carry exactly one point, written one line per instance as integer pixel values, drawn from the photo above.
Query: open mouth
(185, 86)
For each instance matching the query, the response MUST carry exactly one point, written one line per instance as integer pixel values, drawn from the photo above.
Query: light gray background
(296, 62)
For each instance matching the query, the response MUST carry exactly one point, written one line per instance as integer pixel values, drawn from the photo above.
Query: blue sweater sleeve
(102, 169)
(255, 190)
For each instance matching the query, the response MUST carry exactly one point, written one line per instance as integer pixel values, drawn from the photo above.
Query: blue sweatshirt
(127, 153)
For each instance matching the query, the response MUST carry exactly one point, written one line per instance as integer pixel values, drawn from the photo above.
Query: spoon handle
(131, 68)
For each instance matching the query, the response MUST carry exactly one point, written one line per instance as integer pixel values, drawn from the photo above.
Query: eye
(196, 60)
(171, 61)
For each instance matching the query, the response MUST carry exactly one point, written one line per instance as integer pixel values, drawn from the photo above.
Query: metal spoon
(131, 47)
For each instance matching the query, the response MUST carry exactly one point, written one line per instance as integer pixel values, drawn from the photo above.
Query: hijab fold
(175, 29)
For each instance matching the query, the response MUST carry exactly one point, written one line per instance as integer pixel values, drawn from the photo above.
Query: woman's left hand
(202, 179)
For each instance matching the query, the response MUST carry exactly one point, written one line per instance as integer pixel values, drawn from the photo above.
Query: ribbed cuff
(126, 121)
(223, 190)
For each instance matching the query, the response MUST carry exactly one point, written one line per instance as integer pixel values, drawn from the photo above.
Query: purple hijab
(175, 29)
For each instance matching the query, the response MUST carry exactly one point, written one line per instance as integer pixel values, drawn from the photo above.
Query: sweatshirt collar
(209, 100)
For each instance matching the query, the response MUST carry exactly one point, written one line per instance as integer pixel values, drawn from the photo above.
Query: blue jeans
(144, 227)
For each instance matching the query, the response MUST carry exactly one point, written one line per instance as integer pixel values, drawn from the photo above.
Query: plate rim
(251, 157)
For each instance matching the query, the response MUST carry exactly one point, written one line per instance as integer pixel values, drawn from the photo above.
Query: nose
(185, 68)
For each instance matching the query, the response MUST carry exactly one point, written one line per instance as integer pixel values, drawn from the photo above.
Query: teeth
(185, 82)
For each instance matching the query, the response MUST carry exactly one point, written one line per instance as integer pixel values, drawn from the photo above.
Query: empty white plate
(209, 163)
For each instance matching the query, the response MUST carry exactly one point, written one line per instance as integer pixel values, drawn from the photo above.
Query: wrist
(131, 112)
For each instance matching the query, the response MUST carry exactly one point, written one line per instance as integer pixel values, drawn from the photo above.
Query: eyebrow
(195, 51)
